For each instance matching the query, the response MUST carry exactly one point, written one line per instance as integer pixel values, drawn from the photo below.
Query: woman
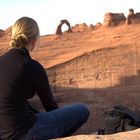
(20, 78)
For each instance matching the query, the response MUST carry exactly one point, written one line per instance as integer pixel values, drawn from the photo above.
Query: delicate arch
(59, 31)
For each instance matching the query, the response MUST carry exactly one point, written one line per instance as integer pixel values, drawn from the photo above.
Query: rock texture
(80, 27)
(113, 19)
(132, 18)
(99, 69)
(1, 32)
(131, 135)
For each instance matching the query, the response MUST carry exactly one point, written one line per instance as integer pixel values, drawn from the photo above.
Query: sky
(48, 13)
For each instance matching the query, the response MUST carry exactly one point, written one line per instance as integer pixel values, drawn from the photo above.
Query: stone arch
(59, 30)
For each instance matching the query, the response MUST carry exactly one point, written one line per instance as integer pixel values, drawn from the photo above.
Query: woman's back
(20, 78)
(15, 116)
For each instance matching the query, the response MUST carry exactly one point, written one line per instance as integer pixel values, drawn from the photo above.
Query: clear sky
(48, 13)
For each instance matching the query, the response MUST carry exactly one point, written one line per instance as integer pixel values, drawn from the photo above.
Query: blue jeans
(58, 123)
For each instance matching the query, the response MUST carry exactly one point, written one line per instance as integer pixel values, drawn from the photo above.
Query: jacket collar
(23, 50)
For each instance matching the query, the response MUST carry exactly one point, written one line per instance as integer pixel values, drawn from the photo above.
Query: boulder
(132, 18)
(80, 27)
(113, 19)
(98, 25)
(136, 18)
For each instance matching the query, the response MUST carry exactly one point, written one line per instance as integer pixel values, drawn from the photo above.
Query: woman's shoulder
(34, 65)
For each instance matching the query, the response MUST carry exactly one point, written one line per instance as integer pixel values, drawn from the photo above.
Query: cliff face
(101, 78)
(101, 68)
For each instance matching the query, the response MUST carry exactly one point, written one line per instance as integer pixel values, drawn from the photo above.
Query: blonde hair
(24, 30)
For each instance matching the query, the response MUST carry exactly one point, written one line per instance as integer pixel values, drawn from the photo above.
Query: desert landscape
(98, 65)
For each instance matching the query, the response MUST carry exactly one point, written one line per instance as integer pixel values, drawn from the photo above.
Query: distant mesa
(59, 30)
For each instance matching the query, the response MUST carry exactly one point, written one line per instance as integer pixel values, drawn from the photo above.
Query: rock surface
(80, 27)
(113, 19)
(131, 135)
(132, 18)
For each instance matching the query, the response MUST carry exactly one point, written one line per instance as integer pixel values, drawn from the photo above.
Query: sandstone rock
(80, 27)
(8, 33)
(113, 19)
(59, 31)
(97, 70)
(1, 32)
(132, 18)
(98, 25)
(91, 26)
(130, 135)
(136, 18)
(95, 27)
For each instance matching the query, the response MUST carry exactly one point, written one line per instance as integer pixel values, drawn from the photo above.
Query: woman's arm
(40, 83)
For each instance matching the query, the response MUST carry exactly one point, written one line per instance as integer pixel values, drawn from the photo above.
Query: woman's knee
(83, 110)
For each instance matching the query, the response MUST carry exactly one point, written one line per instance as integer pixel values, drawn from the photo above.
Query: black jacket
(20, 78)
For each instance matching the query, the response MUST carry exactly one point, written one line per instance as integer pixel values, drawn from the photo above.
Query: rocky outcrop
(91, 26)
(7, 33)
(59, 30)
(1, 32)
(98, 25)
(80, 27)
(113, 19)
(136, 18)
(132, 18)
(94, 27)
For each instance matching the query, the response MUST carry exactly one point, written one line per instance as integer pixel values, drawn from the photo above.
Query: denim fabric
(58, 123)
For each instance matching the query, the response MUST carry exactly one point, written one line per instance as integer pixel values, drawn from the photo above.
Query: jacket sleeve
(40, 83)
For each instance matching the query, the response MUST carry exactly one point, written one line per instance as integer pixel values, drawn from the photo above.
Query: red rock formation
(59, 31)
(98, 25)
(98, 69)
(1, 32)
(91, 26)
(132, 18)
(113, 19)
(136, 18)
(80, 27)
(8, 33)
